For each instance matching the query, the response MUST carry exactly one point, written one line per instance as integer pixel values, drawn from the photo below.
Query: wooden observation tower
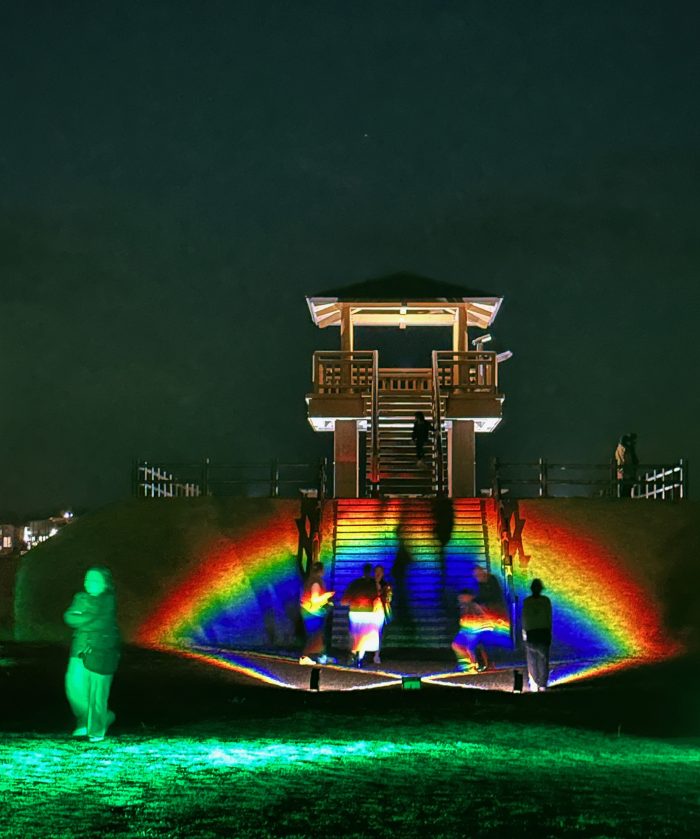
(352, 393)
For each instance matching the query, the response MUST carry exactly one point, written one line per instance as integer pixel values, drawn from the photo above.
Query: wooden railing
(548, 479)
(157, 482)
(467, 372)
(271, 478)
(404, 380)
(663, 482)
(337, 372)
(437, 423)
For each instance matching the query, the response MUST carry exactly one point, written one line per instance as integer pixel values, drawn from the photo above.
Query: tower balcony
(346, 383)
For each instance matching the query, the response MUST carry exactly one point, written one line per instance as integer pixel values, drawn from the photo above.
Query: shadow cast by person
(399, 573)
(443, 525)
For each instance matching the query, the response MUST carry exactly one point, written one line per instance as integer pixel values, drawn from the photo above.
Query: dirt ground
(199, 751)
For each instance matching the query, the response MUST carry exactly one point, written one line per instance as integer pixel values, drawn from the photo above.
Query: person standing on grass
(315, 607)
(537, 634)
(94, 654)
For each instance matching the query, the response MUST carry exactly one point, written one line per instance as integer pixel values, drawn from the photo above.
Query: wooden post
(462, 458)
(274, 478)
(543, 477)
(205, 476)
(495, 478)
(346, 456)
(347, 334)
(460, 339)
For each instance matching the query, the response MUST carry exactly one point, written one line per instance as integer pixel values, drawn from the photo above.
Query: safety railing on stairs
(438, 460)
(374, 439)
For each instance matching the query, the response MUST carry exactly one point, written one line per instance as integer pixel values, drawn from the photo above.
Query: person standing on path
(360, 597)
(537, 634)
(315, 607)
(94, 654)
(490, 598)
(467, 646)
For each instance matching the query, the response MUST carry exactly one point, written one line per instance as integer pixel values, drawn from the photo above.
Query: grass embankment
(154, 547)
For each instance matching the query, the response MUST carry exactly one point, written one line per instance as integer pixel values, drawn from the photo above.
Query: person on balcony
(360, 598)
(422, 430)
(537, 634)
(315, 607)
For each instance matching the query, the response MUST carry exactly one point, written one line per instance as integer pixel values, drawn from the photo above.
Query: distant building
(35, 532)
(9, 538)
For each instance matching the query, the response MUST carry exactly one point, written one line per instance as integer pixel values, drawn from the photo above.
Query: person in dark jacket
(364, 619)
(537, 634)
(422, 429)
(94, 654)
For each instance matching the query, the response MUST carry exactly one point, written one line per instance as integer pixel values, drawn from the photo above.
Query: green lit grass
(371, 776)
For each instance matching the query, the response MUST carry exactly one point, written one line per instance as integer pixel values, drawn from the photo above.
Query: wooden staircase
(402, 534)
(399, 472)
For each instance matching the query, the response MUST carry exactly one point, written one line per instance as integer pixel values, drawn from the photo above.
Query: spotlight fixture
(410, 682)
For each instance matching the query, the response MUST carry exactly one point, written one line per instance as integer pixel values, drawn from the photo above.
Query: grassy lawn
(345, 775)
(201, 752)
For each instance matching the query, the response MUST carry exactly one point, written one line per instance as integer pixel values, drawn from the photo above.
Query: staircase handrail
(437, 417)
(374, 442)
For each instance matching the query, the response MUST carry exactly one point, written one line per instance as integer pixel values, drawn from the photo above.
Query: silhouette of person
(315, 607)
(94, 654)
(626, 463)
(537, 634)
(360, 597)
(422, 429)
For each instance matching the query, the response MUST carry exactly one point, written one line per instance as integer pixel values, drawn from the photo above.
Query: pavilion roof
(403, 298)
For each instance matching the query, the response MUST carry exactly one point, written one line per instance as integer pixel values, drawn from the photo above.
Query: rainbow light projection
(604, 618)
(244, 592)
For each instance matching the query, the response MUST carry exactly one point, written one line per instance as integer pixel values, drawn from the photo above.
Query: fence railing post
(205, 476)
(274, 478)
(495, 478)
(683, 464)
(543, 477)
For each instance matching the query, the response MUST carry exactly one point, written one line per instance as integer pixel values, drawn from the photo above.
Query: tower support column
(462, 459)
(346, 455)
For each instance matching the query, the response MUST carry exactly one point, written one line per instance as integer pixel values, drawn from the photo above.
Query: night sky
(177, 176)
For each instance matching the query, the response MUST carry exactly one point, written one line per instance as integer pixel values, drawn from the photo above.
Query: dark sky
(175, 177)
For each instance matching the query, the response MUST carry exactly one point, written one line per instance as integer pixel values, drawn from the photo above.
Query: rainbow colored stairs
(402, 534)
